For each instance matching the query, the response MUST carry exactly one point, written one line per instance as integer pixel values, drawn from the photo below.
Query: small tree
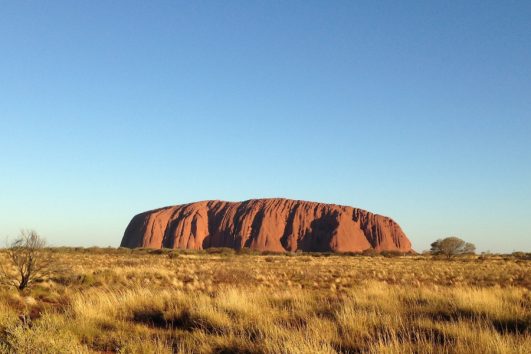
(27, 261)
(452, 246)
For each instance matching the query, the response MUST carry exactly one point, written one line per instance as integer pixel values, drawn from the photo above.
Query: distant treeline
(224, 251)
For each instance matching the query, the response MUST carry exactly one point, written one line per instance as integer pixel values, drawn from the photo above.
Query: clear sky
(416, 110)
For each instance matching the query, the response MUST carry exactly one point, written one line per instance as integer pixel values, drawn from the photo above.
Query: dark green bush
(220, 250)
(271, 253)
(371, 252)
(391, 254)
(247, 251)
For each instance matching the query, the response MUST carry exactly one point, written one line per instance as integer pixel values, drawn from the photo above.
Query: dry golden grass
(166, 302)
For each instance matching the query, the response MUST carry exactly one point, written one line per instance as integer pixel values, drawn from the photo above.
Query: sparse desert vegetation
(222, 301)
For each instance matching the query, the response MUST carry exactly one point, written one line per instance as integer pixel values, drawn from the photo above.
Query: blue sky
(416, 110)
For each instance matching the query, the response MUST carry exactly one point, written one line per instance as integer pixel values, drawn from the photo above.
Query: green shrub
(522, 255)
(390, 254)
(271, 253)
(350, 254)
(371, 252)
(220, 250)
(247, 251)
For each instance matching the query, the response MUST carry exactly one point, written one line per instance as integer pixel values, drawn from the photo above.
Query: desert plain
(106, 300)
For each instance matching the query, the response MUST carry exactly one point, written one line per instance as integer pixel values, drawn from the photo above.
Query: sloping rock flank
(277, 225)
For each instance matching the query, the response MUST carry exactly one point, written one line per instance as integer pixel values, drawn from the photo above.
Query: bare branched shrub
(27, 261)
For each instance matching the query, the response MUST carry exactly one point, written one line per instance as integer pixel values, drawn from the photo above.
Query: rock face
(277, 225)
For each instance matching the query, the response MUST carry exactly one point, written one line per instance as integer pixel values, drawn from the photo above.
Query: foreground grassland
(165, 302)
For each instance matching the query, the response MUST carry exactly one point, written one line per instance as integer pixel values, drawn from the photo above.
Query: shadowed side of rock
(277, 225)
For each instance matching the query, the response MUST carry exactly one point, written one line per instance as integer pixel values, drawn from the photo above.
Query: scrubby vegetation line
(223, 301)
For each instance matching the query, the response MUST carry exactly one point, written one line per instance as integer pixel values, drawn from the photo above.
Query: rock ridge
(272, 224)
